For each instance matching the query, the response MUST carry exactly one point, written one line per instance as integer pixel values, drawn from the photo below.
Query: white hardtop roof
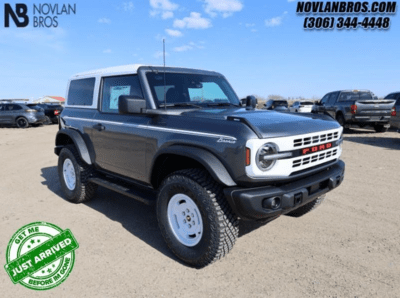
(130, 68)
(117, 70)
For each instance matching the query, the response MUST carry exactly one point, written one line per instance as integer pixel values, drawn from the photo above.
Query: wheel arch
(67, 136)
(179, 157)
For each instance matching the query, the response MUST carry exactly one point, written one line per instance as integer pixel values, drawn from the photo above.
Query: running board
(147, 197)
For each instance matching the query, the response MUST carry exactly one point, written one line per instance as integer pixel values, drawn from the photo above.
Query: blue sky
(260, 46)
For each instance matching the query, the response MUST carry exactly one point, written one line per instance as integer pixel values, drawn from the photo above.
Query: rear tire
(47, 121)
(195, 190)
(22, 122)
(307, 207)
(380, 128)
(74, 175)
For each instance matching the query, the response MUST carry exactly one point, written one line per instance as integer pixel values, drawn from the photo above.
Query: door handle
(99, 127)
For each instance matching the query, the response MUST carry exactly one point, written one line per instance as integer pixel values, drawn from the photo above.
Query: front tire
(74, 175)
(340, 120)
(380, 128)
(195, 219)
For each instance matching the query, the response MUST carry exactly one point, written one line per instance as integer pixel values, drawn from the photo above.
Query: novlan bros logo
(21, 11)
(44, 15)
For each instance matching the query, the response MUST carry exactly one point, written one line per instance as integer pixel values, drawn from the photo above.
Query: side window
(324, 100)
(81, 92)
(8, 107)
(114, 87)
(1, 108)
(16, 107)
(332, 98)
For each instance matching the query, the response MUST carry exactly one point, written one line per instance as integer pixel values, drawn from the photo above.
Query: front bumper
(252, 203)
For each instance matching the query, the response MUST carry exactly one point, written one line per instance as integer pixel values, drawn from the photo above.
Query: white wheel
(185, 220)
(69, 174)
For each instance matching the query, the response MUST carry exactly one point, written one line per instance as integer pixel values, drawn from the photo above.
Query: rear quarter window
(80, 92)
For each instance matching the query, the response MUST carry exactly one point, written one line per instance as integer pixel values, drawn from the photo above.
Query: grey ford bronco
(180, 139)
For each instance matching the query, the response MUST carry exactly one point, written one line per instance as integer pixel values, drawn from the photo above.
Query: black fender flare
(79, 143)
(209, 161)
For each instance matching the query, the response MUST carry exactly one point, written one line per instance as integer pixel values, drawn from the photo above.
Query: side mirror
(128, 104)
(251, 102)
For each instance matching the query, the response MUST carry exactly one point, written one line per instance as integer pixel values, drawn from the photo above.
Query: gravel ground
(348, 247)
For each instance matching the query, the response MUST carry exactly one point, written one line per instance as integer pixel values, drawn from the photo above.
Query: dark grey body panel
(129, 145)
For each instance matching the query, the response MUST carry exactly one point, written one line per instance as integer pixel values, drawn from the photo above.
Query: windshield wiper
(221, 104)
(179, 104)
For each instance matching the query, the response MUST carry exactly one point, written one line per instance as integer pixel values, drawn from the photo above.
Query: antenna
(165, 94)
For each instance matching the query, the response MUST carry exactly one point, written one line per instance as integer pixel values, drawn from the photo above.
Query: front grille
(308, 160)
(316, 139)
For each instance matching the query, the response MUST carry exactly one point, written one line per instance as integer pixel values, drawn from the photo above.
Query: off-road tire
(380, 128)
(340, 119)
(22, 122)
(220, 225)
(84, 190)
(307, 207)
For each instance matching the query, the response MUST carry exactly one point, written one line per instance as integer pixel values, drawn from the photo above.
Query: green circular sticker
(40, 256)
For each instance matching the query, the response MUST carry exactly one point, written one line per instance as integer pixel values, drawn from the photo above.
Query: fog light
(272, 203)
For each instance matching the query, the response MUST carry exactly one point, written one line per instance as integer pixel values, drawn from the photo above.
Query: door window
(114, 87)
(324, 100)
(332, 98)
(16, 107)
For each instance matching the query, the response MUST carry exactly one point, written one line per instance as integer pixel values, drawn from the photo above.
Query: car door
(8, 114)
(2, 114)
(119, 141)
(323, 104)
(331, 107)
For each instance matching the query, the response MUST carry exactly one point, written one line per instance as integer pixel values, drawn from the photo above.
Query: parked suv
(279, 105)
(20, 115)
(356, 107)
(395, 119)
(301, 107)
(52, 111)
(179, 138)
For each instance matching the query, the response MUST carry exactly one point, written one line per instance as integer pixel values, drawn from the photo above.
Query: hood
(268, 124)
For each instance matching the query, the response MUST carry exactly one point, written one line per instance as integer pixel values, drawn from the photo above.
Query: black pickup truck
(356, 107)
(180, 139)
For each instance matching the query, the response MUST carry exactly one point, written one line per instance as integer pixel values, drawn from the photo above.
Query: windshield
(191, 89)
(280, 103)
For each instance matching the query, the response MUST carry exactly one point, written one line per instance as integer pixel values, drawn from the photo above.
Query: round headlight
(262, 160)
